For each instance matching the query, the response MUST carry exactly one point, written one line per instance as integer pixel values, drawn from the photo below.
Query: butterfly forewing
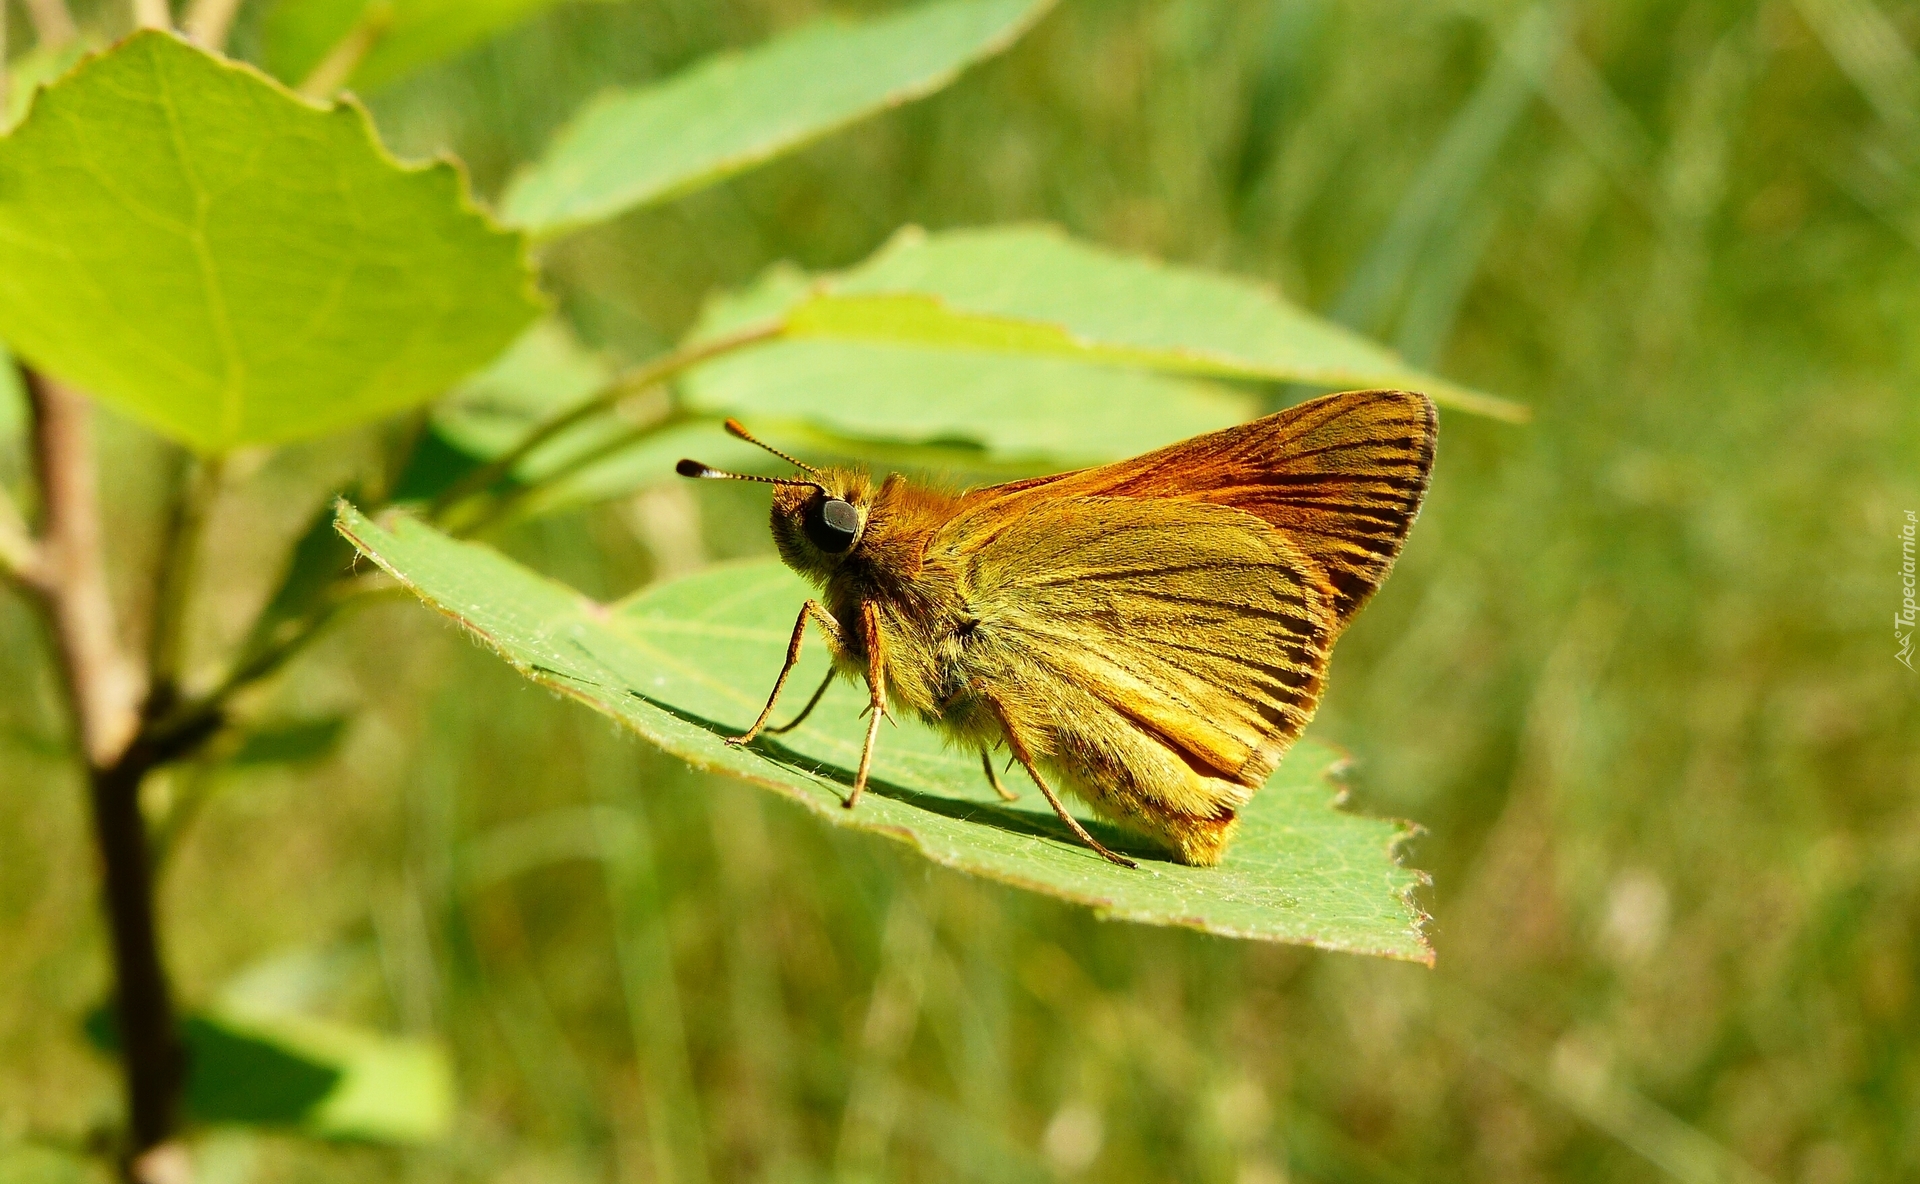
(1342, 477)
(1197, 590)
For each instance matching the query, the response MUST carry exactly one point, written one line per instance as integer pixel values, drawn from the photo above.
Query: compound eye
(831, 525)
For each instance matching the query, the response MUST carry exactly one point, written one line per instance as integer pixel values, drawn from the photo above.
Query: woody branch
(63, 568)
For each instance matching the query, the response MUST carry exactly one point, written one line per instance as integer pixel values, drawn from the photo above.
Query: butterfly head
(818, 519)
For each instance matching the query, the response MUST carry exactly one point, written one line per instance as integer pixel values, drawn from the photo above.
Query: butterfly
(1152, 635)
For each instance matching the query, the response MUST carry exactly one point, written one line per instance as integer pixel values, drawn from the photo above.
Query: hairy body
(1153, 633)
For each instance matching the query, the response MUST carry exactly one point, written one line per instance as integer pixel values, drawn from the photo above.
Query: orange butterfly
(1154, 631)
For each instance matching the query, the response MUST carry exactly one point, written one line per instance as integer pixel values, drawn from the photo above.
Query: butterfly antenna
(734, 428)
(693, 468)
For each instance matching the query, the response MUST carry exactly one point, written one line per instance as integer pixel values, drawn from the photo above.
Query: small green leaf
(318, 559)
(731, 112)
(407, 34)
(290, 741)
(688, 663)
(1033, 291)
(263, 1066)
(185, 239)
(325, 1078)
(247, 1077)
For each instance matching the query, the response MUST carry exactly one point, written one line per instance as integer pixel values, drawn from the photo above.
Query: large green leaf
(688, 663)
(734, 111)
(404, 34)
(186, 239)
(1010, 408)
(1033, 291)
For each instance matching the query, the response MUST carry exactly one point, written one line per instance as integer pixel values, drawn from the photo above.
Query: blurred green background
(1634, 674)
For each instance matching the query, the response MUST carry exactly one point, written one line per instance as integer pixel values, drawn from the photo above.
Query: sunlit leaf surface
(403, 34)
(733, 111)
(185, 239)
(1031, 290)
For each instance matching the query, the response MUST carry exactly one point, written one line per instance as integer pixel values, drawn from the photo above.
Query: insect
(1153, 633)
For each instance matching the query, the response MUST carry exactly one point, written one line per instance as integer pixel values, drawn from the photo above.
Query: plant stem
(152, 14)
(208, 21)
(149, 1040)
(511, 499)
(345, 57)
(104, 686)
(52, 23)
(105, 689)
(633, 382)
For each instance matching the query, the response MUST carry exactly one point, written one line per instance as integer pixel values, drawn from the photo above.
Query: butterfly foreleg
(1022, 754)
(819, 694)
(813, 611)
(876, 694)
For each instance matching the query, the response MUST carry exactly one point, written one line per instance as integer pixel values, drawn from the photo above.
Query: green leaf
(1031, 290)
(318, 559)
(1012, 409)
(260, 1066)
(185, 239)
(243, 1076)
(290, 741)
(1032, 411)
(737, 110)
(328, 1079)
(688, 663)
(407, 34)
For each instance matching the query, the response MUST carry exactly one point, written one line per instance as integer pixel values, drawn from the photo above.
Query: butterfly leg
(876, 695)
(993, 778)
(813, 611)
(1025, 758)
(812, 703)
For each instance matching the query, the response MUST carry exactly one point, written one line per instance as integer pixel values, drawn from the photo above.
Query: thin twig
(206, 712)
(52, 23)
(631, 383)
(180, 562)
(345, 57)
(103, 682)
(509, 501)
(208, 22)
(152, 14)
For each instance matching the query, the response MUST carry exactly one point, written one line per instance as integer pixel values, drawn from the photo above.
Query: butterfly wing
(1342, 477)
(1197, 591)
(1194, 623)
